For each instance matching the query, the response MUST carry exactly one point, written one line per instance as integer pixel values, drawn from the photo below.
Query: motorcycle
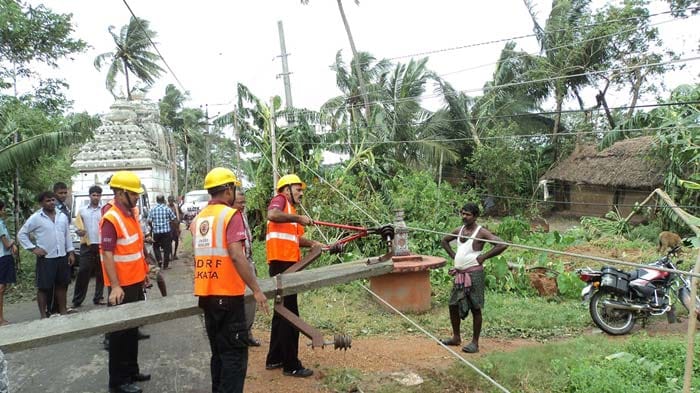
(617, 299)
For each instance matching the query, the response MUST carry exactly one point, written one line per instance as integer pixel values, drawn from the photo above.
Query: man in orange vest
(285, 236)
(124, 270)
(220, 277)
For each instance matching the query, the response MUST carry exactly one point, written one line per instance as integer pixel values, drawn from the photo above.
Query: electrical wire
(516, 245)
(569, 203)
(356, 96)
(518, 37)
(495, 137)
(138, 22)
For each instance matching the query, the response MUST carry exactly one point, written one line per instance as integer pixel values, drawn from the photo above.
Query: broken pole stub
(32, 334)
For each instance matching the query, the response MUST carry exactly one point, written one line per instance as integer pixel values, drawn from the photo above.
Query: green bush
(512, 228)
(648, 232)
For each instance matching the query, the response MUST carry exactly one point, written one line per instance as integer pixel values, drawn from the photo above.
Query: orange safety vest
(282, 240)
(129, 260)
(214, 271)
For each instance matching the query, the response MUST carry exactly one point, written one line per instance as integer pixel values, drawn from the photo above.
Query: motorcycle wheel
(684, 296)
(613, 322)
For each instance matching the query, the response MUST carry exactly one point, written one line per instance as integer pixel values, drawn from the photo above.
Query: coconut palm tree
(131, 55)
(569, 51)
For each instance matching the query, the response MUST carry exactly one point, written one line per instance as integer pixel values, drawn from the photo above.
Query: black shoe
(253, 342)
(272, 366)
(299, 373)
(126, 388)
(143, 336)
(140, 377)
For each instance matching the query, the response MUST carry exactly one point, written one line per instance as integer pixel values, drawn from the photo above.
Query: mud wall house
(591, 182)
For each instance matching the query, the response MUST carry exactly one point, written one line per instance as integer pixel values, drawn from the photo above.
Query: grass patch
(349, 309)
(595, 363)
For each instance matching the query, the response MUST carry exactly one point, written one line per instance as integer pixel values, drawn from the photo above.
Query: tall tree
(569, 51)
(131, 54)
(27, 35)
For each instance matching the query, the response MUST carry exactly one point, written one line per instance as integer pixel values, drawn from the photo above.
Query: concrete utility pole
(285, 68)
(273, 143)
(207, 138)
(237, 140)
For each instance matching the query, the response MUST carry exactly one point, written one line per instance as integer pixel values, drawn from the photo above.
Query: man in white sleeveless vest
(469, 283)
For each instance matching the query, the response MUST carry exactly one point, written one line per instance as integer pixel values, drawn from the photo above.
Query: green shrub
(511, 228)
(648, 232)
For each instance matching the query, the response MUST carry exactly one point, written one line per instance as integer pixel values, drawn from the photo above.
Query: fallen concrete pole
(32, 334)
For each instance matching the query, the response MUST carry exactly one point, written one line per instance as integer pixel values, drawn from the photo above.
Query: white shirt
(52, 236)
(91, 221)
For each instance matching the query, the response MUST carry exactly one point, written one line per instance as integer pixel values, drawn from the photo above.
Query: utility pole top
(285, 68)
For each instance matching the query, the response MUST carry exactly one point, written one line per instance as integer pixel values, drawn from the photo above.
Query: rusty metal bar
(308, 330)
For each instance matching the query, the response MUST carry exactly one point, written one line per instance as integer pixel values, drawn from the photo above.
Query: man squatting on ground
(220, 276)
(124, 271)
(53, 250)
(469, 279)
(285, 234)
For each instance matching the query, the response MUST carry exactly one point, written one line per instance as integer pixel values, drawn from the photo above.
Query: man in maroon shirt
(284, 237)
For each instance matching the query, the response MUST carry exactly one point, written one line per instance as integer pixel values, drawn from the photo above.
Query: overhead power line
(542, 113)
(538, 52)
(570, 203)
(155, 47)
(518, 37)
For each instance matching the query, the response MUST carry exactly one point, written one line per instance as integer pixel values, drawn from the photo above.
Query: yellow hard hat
(220, 176)
(288, 180)
(126, 180)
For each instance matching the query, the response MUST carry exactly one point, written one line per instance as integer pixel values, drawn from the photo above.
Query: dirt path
(372, 356)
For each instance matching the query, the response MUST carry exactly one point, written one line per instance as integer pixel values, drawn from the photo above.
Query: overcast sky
(212, 45)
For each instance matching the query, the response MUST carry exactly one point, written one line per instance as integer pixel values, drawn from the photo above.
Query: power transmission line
(495, 137)
(518, 37)
(537, 53)
(138, 22)
(531, 114)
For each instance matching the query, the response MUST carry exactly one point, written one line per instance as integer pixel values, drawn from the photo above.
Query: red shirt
(109, 233)
(278, 202)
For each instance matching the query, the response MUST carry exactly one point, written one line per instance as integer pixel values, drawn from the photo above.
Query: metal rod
(341, 226)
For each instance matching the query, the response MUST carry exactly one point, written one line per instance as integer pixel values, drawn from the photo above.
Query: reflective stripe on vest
(215, 273)
(282, 239)
(128, 239)
(129, 260)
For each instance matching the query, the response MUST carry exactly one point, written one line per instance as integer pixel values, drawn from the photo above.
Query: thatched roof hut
(627, 163)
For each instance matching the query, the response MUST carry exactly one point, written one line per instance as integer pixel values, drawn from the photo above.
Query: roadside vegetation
(491, 149)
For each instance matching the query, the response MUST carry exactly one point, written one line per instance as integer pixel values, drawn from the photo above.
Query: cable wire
(516, 245)
(138, 22)
(518, 37)
(520, 56)
(495, 137)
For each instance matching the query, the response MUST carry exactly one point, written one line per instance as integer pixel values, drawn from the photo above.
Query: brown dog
(669, 240)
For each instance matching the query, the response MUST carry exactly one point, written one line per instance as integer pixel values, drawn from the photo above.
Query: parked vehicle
(82, 200)
(194, 202)
(617, 299)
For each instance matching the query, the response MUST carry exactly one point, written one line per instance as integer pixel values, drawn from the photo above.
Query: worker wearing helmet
(285, 236)
(124, 270)
(220, 276)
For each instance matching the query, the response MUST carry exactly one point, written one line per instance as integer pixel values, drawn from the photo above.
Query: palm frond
(25, 152)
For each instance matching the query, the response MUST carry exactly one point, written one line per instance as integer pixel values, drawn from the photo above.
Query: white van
(82, 200)
(194, 202)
